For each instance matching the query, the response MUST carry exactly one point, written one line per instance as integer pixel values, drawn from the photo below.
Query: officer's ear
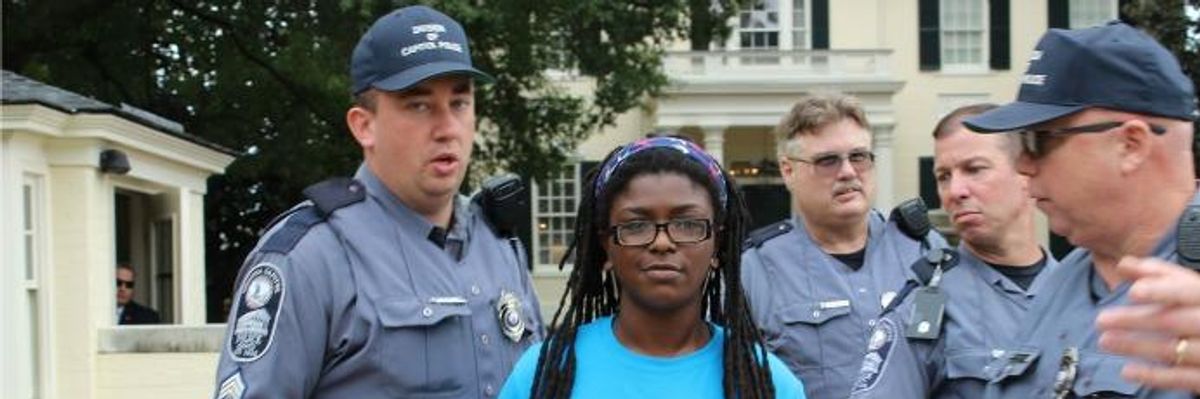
(785, 170)
(361, 121)
(1136, 141)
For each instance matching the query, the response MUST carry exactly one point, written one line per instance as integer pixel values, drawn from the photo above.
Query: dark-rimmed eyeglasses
(829, 164)
(1033, 142)
(123, 283)
(680, 231)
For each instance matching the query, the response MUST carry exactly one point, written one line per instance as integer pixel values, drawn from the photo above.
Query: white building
(85, 185)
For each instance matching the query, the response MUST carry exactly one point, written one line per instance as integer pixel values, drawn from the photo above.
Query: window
(555, 202)
(1085, 13)
(800, 25)
(31, 236)
(758, 24)
(962, 32)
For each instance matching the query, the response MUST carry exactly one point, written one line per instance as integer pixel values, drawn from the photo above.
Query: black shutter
(820, 24)
(1060, 14)
(929, 35)
(928, 183)
(998, 16)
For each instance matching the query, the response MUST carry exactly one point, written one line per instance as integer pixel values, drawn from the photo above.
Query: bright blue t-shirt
(606, 369)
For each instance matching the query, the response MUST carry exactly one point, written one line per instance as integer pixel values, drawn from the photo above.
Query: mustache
(845, 187)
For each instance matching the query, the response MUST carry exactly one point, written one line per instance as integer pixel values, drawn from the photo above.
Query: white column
(189, 271)
(884, 169)
(714, 142)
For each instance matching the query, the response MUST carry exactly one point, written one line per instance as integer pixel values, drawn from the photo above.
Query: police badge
(508, 312)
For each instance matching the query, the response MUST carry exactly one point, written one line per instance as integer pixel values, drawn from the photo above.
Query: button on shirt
(815, 311)
(1065, 317)
(983, 313)
(371, 307)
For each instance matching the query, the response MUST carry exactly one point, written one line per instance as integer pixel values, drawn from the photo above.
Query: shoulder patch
(232, 387)
(879, 349)
(757, 237)
(335, 193)
(258, 304)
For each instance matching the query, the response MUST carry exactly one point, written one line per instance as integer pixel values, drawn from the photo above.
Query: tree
(270, 79)
(1176, 24)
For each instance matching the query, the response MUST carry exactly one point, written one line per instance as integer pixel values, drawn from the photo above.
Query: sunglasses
(829, 164)
(1035, 142)
(123, 283)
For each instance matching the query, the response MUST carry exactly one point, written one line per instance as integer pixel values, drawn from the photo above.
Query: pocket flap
(815, 312)
(1101, 373)
(410, 312)
(968, 365)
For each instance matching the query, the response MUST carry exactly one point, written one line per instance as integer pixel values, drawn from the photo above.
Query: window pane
(798, 14)
(1086, 13)
(29, 254)
(556, 204)
(27, 195)
(962, 32)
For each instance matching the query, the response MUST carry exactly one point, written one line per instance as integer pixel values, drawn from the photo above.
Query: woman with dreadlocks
(654, 307)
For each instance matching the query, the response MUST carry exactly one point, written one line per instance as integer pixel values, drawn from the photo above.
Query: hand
(1162, 328)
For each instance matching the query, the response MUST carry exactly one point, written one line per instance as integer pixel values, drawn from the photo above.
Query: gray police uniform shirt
(983, 314)
(1064, 319)
(367, 305)
(815, 312)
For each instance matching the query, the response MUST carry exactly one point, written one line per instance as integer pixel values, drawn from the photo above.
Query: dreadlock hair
(592, 292)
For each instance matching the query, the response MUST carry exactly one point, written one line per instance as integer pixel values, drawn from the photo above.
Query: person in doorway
(128, 310)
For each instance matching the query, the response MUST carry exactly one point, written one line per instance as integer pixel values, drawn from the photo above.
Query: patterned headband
(683, 146)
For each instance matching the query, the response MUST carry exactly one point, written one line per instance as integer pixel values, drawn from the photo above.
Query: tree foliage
(1178, 29)
(270, 79)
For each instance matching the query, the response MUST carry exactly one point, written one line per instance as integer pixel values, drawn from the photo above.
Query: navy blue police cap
(1114, 66)
(408, 46)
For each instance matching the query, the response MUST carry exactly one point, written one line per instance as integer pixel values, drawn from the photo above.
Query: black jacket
(138, 314)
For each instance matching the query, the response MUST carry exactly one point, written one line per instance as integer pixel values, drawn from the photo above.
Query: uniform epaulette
(757, 237)
(284, 239)
(326, 197)
(335, 193)
(1187, 238)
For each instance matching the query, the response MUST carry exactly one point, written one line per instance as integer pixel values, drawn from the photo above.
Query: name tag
(834, 304)
(448, 300)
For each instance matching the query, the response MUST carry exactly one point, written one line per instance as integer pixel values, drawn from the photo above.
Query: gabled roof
(18, 89)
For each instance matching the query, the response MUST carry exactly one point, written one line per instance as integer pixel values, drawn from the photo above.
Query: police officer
(389, 284)
(817, 282)
(1105, 118)
(984, 295)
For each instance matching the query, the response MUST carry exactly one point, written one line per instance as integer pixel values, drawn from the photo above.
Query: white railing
(795, 64)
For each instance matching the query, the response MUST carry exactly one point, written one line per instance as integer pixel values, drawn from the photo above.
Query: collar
(412, 222)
